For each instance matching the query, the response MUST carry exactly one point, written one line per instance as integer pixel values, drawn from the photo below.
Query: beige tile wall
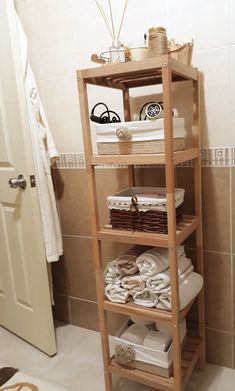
(61, 37)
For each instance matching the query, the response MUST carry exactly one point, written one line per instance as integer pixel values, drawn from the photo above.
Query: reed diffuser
(116, 50)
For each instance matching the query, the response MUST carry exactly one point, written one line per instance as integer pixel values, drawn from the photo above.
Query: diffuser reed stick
(105, 19)
(111, 16)
(124, 11)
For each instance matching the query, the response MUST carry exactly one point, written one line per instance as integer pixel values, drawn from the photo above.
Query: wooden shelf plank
(179, 157)
(136, 73)
(142, 377)
(147, 313)
(184, 228)
(190, 356)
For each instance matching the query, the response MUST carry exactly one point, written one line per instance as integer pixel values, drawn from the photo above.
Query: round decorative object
(123, 134)
(124, 354)
(153, 111)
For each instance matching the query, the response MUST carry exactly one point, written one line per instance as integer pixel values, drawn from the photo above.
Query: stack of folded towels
(145, 278)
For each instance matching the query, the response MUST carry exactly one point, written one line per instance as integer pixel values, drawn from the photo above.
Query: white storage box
(142, 208)
(138, 137)
(147, 359)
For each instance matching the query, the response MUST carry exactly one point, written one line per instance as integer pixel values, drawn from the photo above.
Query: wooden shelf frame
(163, 70)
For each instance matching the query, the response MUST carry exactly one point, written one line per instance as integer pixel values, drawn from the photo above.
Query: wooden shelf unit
(162, 70)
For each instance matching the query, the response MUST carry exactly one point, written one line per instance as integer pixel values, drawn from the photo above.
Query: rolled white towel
(188, 290)
(154, 261)
(133, 283)
(116, 293)
(160, 281)
(157, 341)
(141, 321)
(146, 298)
(135, 334)
(112, 273)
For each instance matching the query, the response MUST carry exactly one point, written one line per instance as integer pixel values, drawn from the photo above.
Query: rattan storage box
(147, 359)
(137, 137)
(142, 208)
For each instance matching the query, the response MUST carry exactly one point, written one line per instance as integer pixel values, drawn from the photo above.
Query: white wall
(63, 33)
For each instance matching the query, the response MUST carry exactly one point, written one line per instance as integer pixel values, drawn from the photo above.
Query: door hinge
(32, 180)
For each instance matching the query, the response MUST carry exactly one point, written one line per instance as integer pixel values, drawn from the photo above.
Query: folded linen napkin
(116, 293)
(146, 298)
(135, 334)
(188, 289)
(154, 261)
(133, 283)
(127, 264)
(160, 281)
(112, 273)
(141, 321)
(157, 341)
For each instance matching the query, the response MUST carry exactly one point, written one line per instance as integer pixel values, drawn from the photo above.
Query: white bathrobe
(45, 153)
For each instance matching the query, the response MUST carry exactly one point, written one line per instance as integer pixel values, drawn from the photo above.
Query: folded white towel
(162, 280)
(133, 283)
(188, 289)
(141, 321)
(154, 261)
(116, 293)
(182, 277)
(146, 298)
(135, 334)
(157, 341)
(112, 273)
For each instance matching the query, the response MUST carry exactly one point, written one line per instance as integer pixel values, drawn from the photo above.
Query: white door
(25, 306)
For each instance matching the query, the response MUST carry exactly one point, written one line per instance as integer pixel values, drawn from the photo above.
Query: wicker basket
(142, 209)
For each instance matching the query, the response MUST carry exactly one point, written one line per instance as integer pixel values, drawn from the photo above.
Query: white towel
(162, 280)
(146, 298)
(135, 334)
(45, 154)
(112, 273)
(116, 293)
(133, 283)
(154, 261)
(157, 341)
(188, 290)
(141, 321)
(182, 277)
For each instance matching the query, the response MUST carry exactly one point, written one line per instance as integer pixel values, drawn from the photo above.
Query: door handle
(19, 182)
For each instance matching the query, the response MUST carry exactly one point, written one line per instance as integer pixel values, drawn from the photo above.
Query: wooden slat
(142, 377)
(192, 349)
(179, 157)
(186, 226)
(147, 313)
(183, 70)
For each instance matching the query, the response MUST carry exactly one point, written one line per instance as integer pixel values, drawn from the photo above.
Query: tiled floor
(78, 364)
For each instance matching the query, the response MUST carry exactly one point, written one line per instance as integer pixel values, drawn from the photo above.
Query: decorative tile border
(210, 157)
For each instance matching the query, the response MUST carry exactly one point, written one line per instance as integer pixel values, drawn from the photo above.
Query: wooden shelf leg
(127, 117)
(171, 216)
(198, 212)
(96, 244)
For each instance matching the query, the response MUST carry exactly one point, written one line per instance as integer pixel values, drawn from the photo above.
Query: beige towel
(154, 261)
(145, 298)
(116, 293)
(160, 281)
(135, 334)
(133, 283)
(157, 341)
(188, 290)
(127, 264)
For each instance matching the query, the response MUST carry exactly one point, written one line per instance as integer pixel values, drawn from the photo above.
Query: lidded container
(157, 41)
